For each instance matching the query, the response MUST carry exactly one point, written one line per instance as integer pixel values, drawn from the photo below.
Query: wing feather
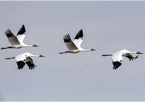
(116, 64)
(79, 35)
(20, 64)
(20, 60)
(12, 38)
(30, 63)
(78, 39)
(130, 57)
(70, 45)
(21, 34)
(117, 56)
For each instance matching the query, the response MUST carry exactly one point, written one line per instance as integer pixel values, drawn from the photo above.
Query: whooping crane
(25, 58)
(75, 45)
(17, 41)
(117, 57)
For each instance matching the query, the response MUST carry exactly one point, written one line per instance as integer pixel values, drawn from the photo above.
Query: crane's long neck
(136, 52)
(132, 52)
(30, 45)
(27, 45)
(83, 50)
(126, 51)
(35, 55)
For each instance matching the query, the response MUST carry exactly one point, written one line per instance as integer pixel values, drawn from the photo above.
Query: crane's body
(117, 57)
(75, 45)
(23, 58)
(17, 41)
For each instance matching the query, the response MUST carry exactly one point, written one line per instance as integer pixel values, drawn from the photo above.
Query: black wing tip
(116, 64)
(22, 30)
(23, 26)
(67, 38)
(79, 35)
(30, 65)
(20, 64)
(81, 30)
(136, 57)
(132, 58)
(7, 32)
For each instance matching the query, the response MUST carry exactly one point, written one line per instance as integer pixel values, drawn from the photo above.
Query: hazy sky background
(108, 27)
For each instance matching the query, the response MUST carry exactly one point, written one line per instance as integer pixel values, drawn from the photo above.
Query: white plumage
(17, 41)
(117, 57)
(25, 58)
(75, 45)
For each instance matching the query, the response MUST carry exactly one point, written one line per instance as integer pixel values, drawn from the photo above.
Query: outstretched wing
(116, 64)
(117, 59)
(12, 38)
(20, 60)
(70, 45)
(20, 64)
(130, 57)
(21, 34)
(29, 62)
(78, 39)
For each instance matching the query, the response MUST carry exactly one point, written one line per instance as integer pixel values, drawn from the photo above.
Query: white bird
(25, 58)
(75, 45)
(17, 41)
(117, 57)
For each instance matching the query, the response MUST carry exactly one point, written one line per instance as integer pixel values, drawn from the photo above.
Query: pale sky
(108, 26)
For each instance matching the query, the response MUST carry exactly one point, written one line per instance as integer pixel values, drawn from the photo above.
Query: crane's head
(92, 50)
(138, 52)
(41, 56)
(35, 45)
